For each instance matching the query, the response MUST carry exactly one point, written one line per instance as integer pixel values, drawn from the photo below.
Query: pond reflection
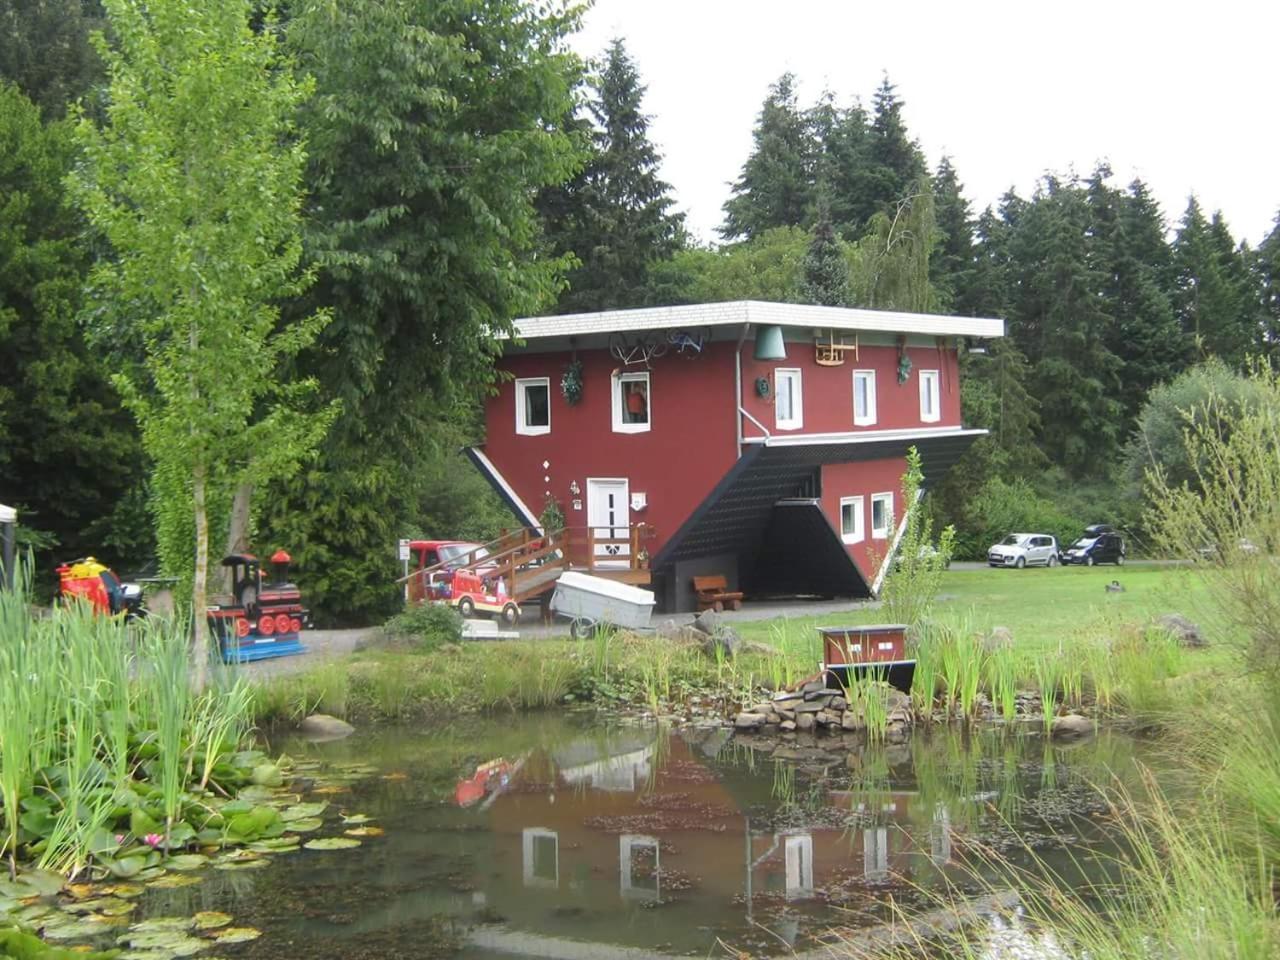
(546, 837)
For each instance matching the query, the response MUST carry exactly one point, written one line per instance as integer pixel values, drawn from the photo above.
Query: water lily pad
(237, 935)
(173, 881)
(71, 930)
(243, 865)
(278, 845)
(258, 793)
(305, 826)
(331, 843)
(40, 882)
(82, 891)
(303, 811)
(211, 919)
(267, 775)
(154, 924)
(151, 873)
(186, 861)
(126, 890)
(166, 942)
(365, 832)
(356, 819)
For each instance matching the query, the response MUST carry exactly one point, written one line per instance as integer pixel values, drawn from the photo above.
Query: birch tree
(193, 179)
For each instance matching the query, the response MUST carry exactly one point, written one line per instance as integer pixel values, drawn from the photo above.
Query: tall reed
(1047, 667)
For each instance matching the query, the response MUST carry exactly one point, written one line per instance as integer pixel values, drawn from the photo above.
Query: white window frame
(870, 418)
(523, 428)
(881, 533)
(796, 420)
(620, 378)
(930, 395)
(859, 531)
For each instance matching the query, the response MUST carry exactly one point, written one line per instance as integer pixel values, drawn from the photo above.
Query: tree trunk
(200, 582)
(237, 531)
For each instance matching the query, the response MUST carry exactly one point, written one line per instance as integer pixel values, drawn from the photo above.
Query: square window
(631, 412)
(533, 406)
(788, 405)
(881, 515)
(864, 397)
(851, 520)
(930, 401)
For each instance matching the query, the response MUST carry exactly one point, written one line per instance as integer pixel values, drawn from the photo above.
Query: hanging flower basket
(571, 383)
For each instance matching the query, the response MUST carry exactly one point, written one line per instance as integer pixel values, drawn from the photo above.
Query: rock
(810, 706)
(825, 718)
(895, 699)
(1000, 638)
(1071, 726)
(787, 725)
(681, 633)
(748, 721)
(320, 727)
(839, 703)
(785, 713)
(820, 693)
(849, 721)
(708, 622)
(804, 721)
(810, 686)
(725, 639)
(1183, 630)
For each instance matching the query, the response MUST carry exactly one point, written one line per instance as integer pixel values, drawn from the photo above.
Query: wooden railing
(526, 559)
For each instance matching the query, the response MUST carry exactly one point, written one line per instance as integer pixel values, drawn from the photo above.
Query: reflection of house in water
(600, 827)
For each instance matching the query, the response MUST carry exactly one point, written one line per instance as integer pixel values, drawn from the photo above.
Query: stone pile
(814, 706)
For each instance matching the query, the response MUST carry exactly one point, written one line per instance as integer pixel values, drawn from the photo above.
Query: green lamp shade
(769, 345)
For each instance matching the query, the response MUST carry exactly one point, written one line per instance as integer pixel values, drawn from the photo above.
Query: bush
(431, 625)
(1004, 506)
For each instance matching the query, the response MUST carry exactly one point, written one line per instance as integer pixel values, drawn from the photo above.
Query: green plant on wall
(552, 516)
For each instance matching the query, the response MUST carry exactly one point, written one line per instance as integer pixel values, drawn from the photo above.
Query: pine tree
(615, 217)
(896, 160)
(1213, 296)
(1129, 252)
(775, 188)
(45, 49)
(951, 267)
(826, 268)
(1267, 265)
(1060, 320)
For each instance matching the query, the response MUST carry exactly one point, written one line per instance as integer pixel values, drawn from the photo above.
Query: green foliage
(431, 625)
(911, 585)
(45, 50)
(198, 194)
(1001, 507)
(1210, 395)
(68, 452)
(890, 263)
(1231, 511)
(432, 128)
(615, 216)
(552, 516)
(952, 264)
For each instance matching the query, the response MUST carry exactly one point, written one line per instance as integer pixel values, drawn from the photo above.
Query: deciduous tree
(194, 181)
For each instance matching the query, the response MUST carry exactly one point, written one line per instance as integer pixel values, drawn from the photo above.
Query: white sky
(1184, 95)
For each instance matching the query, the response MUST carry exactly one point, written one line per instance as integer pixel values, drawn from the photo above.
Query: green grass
(1040, 606)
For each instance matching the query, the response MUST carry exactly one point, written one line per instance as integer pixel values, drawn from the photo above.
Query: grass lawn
(1041, 606)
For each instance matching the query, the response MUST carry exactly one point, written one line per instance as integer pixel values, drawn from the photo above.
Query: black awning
(735, 516)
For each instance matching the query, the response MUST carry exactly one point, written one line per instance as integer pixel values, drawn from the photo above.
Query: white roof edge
(865, 436)
(736, 312)
(8, 514)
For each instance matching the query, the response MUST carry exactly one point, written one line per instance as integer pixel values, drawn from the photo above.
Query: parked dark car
(1100, 544)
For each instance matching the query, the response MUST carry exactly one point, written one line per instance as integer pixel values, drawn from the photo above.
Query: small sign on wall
(577, 504)
(639, 501)
(404, 550)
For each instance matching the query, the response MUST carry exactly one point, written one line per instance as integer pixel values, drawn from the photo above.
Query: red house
(764, 442)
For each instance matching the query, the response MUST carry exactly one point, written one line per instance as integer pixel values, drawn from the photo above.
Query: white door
(609, 517)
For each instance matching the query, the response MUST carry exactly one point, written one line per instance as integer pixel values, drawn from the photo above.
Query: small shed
(8, 545)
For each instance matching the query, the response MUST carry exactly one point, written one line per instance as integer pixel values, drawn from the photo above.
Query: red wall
(862, 480)
(690, 446)
(828, 391)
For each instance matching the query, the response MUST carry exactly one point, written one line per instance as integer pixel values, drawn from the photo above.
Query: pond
(554, 837)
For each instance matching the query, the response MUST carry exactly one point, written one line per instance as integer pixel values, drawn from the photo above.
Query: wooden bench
(714, 594)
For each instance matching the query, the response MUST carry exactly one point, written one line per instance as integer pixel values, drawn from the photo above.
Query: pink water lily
(120, 839)
(152, 839)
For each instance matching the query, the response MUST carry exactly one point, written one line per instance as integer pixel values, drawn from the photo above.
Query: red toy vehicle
(469, 593)
(258, 620)
(98, 586)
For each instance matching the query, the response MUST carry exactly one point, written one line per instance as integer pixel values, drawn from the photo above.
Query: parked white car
(1024, 550)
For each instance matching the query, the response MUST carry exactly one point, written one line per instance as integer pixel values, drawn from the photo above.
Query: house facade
(758, 441)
